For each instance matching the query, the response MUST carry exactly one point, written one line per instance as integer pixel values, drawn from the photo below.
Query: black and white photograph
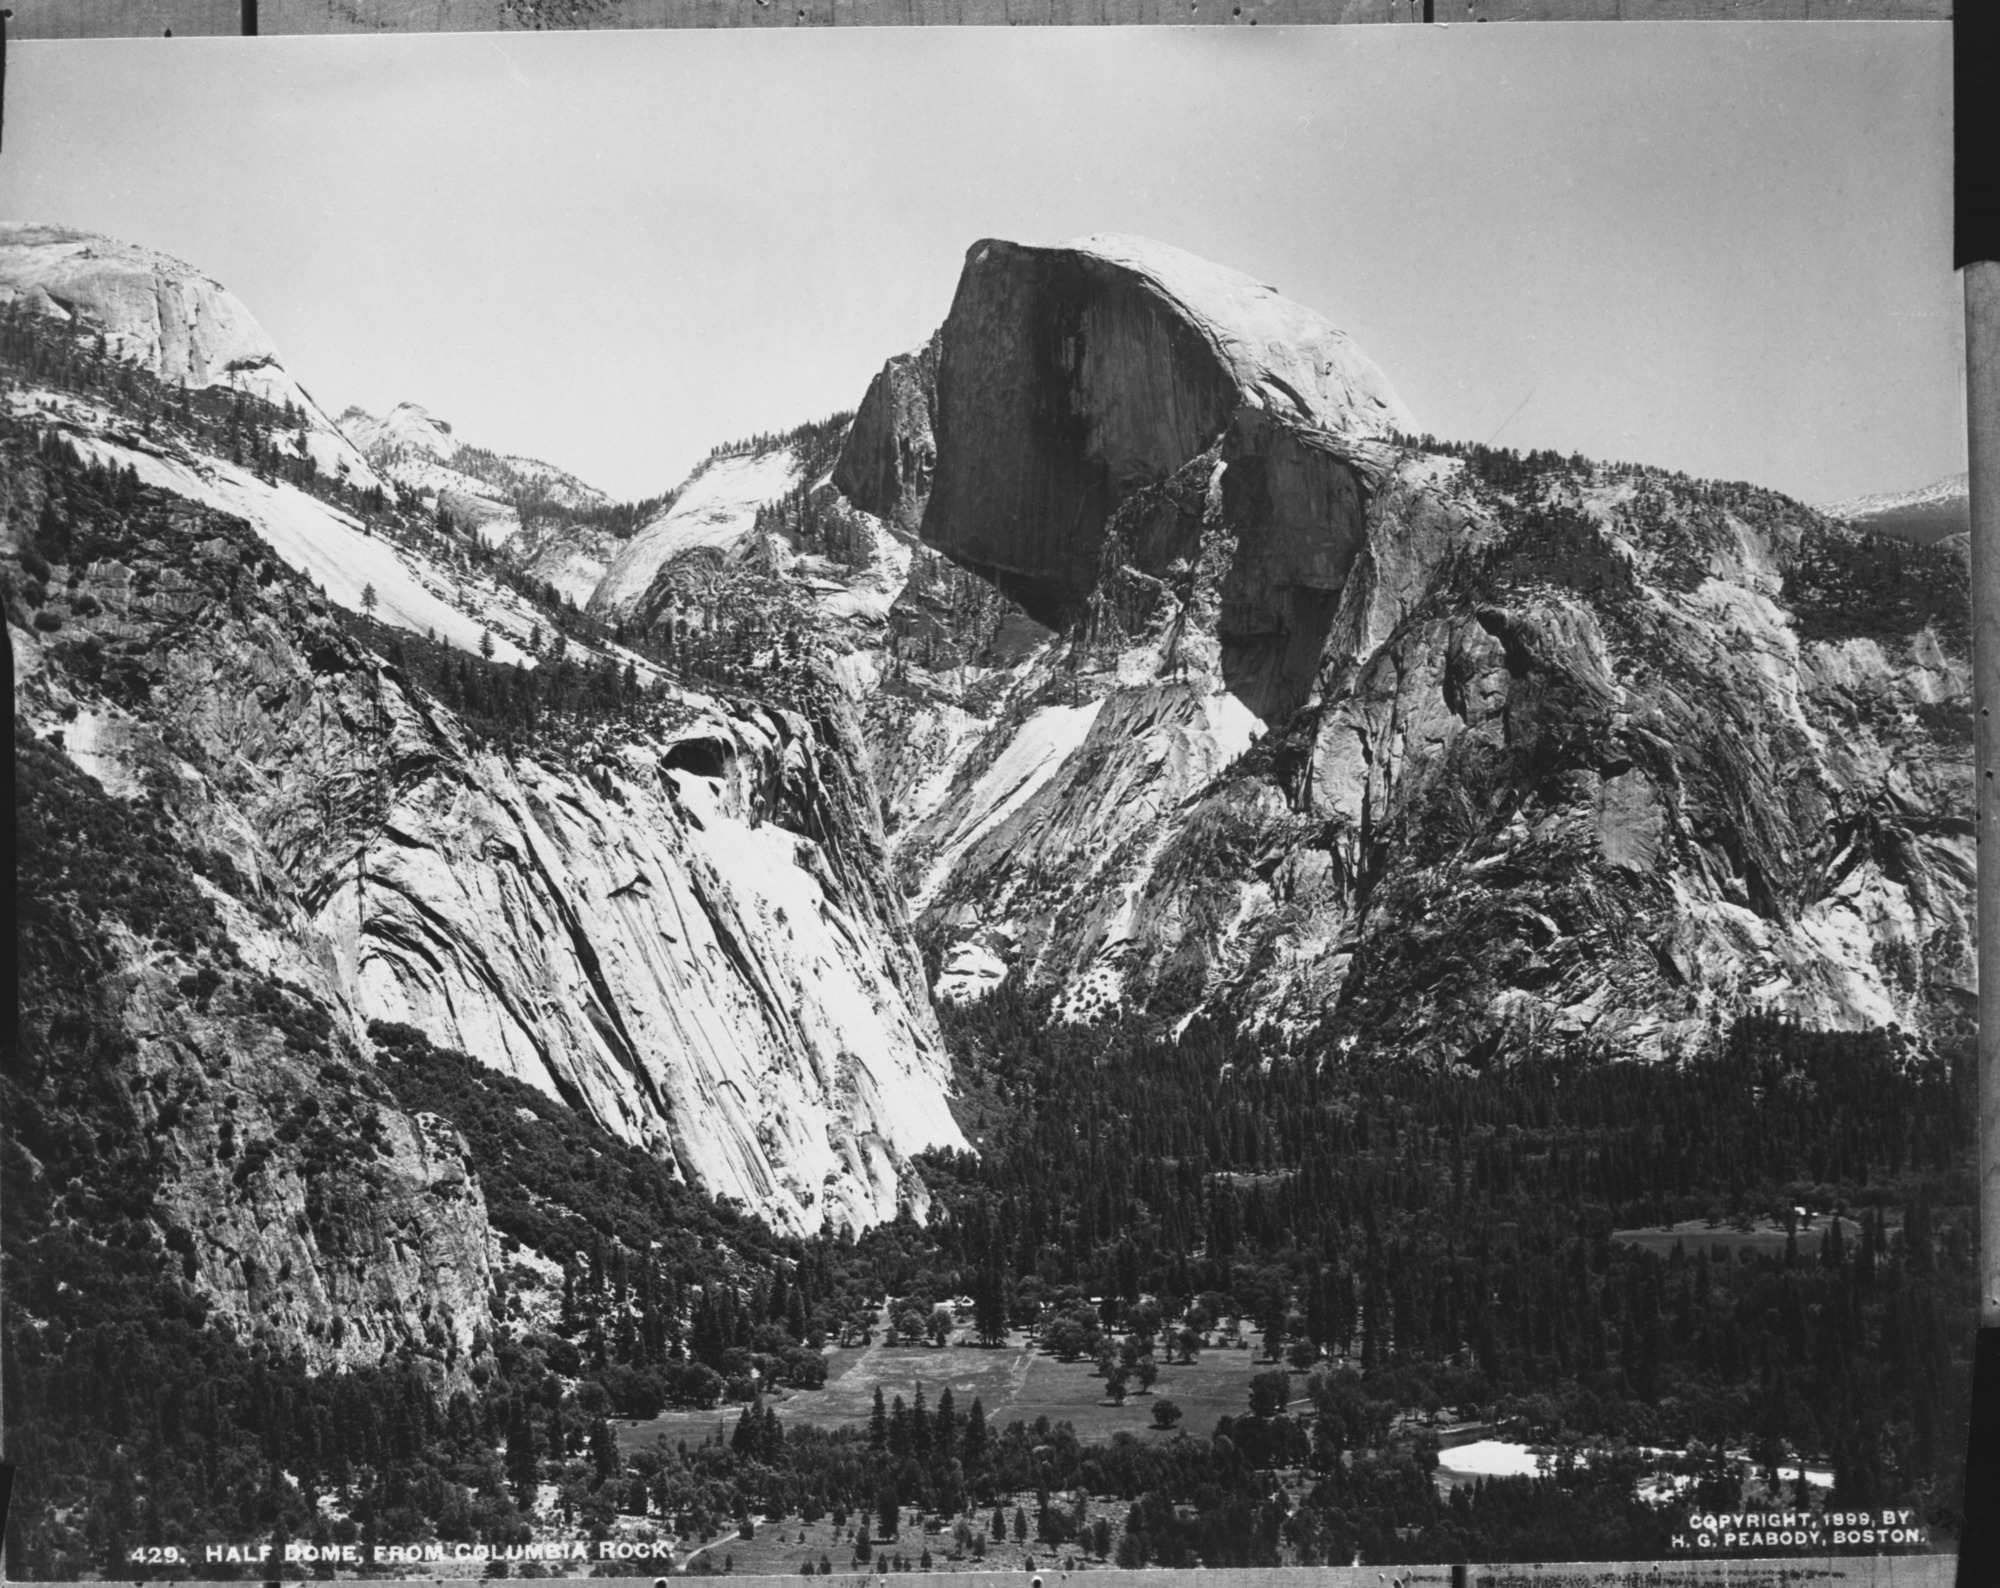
(1001, 802)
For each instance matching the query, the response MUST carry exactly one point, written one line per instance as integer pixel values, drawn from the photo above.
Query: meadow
(1014, 1382)
(1764, 1236)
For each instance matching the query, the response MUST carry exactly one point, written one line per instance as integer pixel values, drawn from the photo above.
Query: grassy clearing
(1015, 1383)
(1765, 1236)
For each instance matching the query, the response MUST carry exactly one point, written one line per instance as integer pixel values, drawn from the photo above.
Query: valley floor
(1015, 1382)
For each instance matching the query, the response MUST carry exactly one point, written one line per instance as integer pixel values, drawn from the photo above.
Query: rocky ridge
(679, 925)
(1373, 742)
(1930, 513)
(522, 506)
(166, 317)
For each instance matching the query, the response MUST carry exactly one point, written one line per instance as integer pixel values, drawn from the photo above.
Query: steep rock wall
(241, 1131)
(683, 929)
(1371, 744)
(886, 462)
(1069, 377)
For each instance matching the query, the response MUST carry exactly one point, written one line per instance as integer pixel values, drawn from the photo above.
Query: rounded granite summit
(1069, 376)
(166, 317)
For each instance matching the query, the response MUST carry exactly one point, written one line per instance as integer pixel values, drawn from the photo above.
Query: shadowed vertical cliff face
(1299, 509)
(1072, 381)
(890, 453)
(1063, 381)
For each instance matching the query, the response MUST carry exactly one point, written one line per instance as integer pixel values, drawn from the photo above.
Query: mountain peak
(1931, 512)
(1069, 378)
(1290, 356)
(168, 318)
(408, 427)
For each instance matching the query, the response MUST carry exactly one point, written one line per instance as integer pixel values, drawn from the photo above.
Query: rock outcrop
(1440, 752)
(534, 513)
(1069, 378)
(886, 462)
(168, 318)
(712, 513)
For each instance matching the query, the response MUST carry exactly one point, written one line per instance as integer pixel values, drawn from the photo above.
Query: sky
(1714, 247)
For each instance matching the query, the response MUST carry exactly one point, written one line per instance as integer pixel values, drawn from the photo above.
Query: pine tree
(974, 1444)
(523, 1467)
(603, 1451)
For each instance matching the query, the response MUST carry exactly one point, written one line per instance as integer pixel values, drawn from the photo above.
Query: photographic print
(1002, 802)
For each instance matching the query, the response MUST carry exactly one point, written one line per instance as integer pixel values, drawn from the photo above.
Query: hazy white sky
(1714, 247)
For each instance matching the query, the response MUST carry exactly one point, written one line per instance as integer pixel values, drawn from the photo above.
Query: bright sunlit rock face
(713, 512)
(685, 930)
(166, 317)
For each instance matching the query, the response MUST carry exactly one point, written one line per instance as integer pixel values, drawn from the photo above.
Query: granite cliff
(1304, 721)
(542, 520)
(668, 908)
(1125, 643)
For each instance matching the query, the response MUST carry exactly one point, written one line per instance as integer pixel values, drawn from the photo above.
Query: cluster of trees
(1407, 1242)
(815, 443)
(667, 1297)
(1847, 583)
(622, 520)
(510, 705)
(818, 518)
(269, 438)
(546, 497)
(1503, 468)
(944, 617)
(734, 627)
(133, 1414)
(1840, 583)
(1456, 1230)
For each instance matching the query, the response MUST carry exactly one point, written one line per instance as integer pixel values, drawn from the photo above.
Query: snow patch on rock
(971, 971)
(334, 550)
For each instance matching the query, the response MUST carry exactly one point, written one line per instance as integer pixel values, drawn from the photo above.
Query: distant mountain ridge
(424, 448)
(544, 520)
(1928, 514)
